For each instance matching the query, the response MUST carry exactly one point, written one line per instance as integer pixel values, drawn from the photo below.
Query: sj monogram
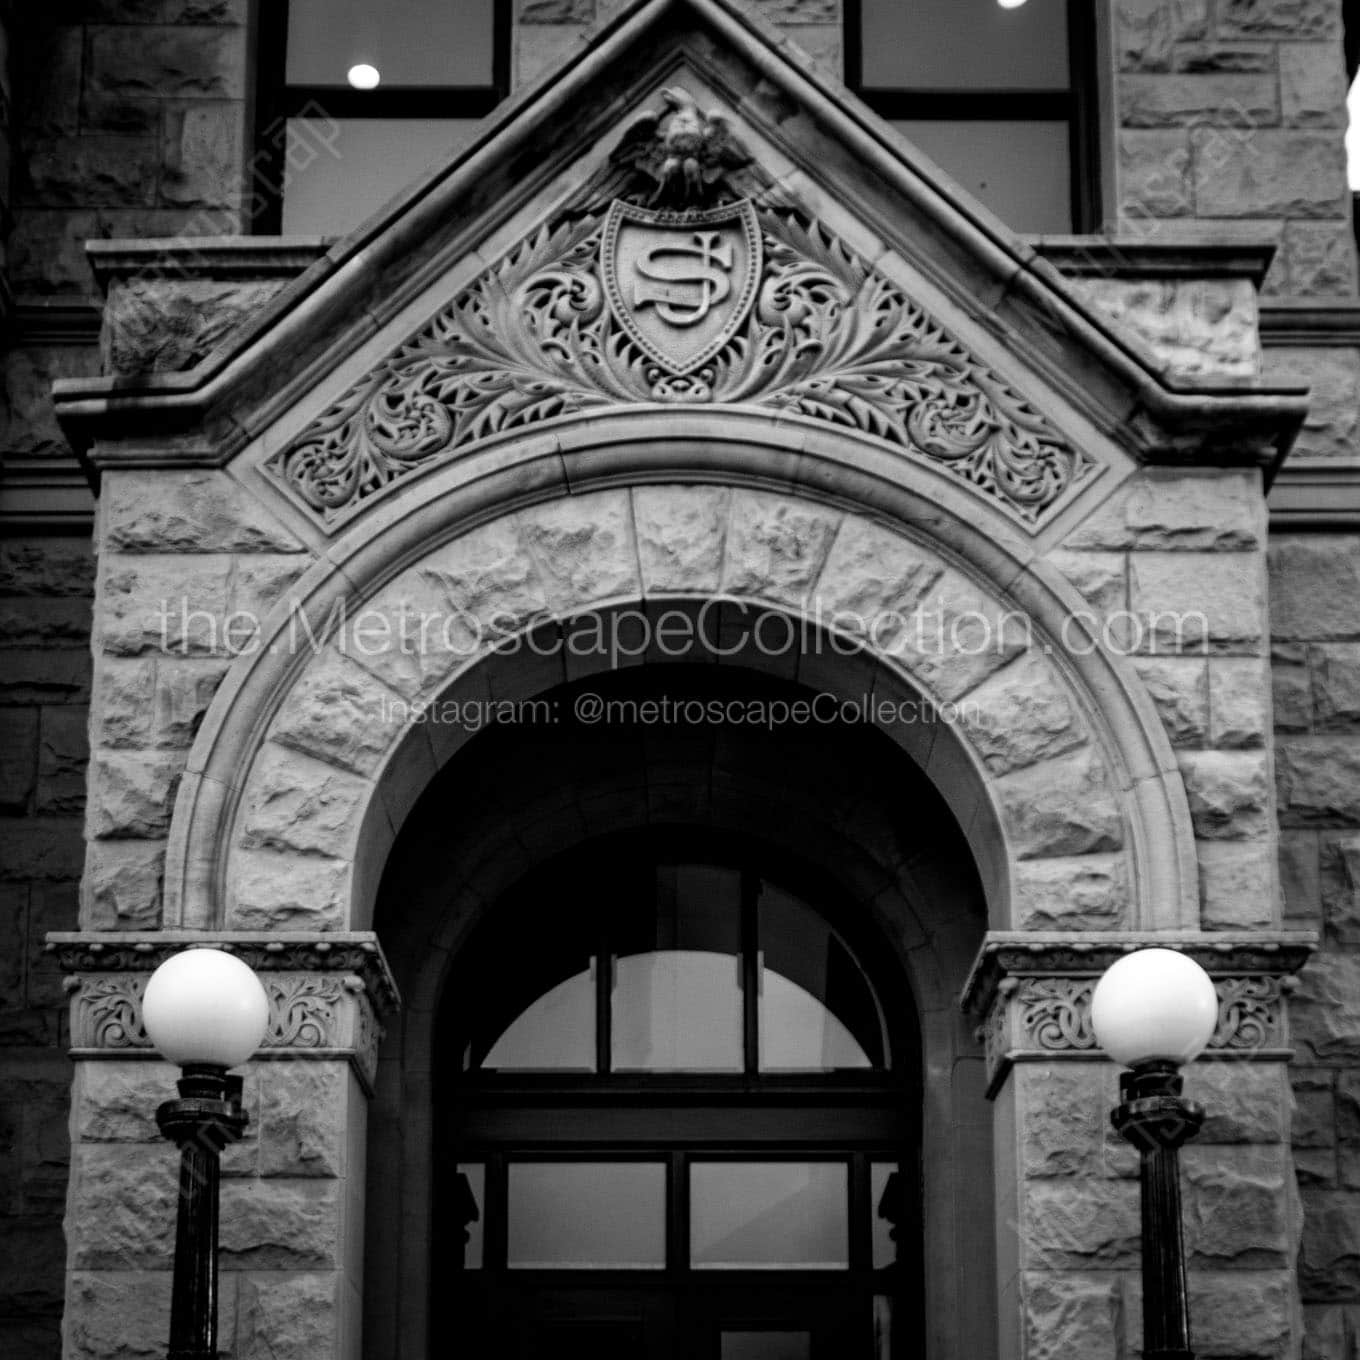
(685, 290)
(680, 283)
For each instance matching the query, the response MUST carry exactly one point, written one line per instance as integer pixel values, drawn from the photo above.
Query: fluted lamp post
(205, 1011)
(1152, 1011)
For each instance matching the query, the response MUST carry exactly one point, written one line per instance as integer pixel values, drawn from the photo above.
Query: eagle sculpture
(683, 152)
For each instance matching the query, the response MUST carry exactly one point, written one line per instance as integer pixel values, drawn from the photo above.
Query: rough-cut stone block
(556, 11)
(262, 582)
(1068, 1315)
(1332, 427)
(287, 1317)
(1146, 30)
(272, 891)
(296, 803)
(1279, 18)
(1243, 1102)
(93, 171)
(1335, 673)
(1197, 328)
(1179, 687)
(167, 62)
(1339, 874)
(1324, 1019)
(1315, 587)
(49, 94)
(18, 758)
(203, 155)
(28, 422)
(1185, 602)
(117, 1314)
(302, 1118)
(1163, 510)
(1237, 885)
(1188, 101)
(1329, 1260)
(680, 532)
(1291, 697)
(1314, 1121)
(953, 638)
(1236, 1205)
(1318, 780)
(1229, 793)
(1071, 1224)
(1245, 171)
(40, 848)
(870, 578)
(1062, 807)
(540, 48)
(1061, 1119)
(776, 547)
(183, 691)
(340, 713)
(121, 889)
(55, 566)
(44, 622)
(1239, 698)
(166, 605)
(1236, 1314)
(132, 794)
(1020, 715)
(122, 1207)
(1086, 892)
(1300, 884)
(1313, 84)
(281, 1224)
(1315, 259)
(820, 43)
(1101, 578)
(1155, 176)
(121, 708)
(63, 752)
(187, 512)
(32, 1261)
(115, 1101)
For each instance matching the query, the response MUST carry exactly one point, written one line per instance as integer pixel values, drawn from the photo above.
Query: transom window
(684, 966)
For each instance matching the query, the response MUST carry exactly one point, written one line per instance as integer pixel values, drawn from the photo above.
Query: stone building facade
(1130, 458)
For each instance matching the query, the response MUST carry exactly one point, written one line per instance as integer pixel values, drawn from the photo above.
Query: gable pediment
(553, 270)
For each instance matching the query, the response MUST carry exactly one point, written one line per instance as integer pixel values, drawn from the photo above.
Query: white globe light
(363, 76)
(1010, 4)
(205, 1006)
(1154, 1005)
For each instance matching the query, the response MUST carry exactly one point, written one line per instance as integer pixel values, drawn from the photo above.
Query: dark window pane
(768, 1215)
(885, 1249)
(677, 974)
(817, 1010)
(766, 1345)
(339, 172)
(964, 45)
(586, 1216)
(1021, 170)
(411, 42)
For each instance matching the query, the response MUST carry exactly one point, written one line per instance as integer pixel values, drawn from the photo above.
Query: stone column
(293, 1188)
(1067, 1186)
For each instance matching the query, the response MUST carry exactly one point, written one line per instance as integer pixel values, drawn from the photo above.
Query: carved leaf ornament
(735, 304)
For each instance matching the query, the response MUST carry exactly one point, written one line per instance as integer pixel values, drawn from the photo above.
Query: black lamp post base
(206, 1117)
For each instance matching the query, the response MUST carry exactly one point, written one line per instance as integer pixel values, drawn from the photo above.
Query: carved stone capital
(326, 994)
(1032, 993)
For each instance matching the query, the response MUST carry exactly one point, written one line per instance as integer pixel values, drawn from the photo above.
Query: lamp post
(1152, 1011)
(205, 1011)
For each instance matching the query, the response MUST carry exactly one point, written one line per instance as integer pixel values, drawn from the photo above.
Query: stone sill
(203, 257)
(1316, 494)
(1227, 256)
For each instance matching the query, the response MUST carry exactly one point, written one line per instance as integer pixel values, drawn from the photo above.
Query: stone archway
(1066, 755)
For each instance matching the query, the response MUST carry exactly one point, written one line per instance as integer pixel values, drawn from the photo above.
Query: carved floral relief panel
(681, 284)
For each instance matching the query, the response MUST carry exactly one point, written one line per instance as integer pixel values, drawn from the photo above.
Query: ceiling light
(363, 76)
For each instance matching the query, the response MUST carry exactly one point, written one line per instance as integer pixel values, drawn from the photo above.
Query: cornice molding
(1312, 322)
(1114, 257)
(56, 321)
(1316, 495)
(356, 952)
(1031, 993)
(45, 496)
(203, 257)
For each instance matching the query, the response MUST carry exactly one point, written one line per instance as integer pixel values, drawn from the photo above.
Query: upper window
(999, 95)
(357, 97)
(678, 966)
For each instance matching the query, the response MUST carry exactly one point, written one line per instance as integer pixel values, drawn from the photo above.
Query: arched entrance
(678, 1064)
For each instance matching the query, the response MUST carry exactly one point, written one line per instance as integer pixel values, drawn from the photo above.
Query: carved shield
(681, 283)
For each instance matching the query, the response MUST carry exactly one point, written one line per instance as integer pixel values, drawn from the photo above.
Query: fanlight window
(688, 967)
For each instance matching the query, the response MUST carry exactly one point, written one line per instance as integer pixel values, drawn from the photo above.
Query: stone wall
(45, 590)
(1233, 113)
(1315, 622)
